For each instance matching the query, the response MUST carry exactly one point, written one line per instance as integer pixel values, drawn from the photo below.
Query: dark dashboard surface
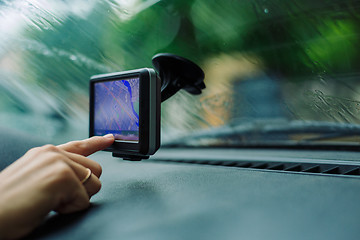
(163, 200)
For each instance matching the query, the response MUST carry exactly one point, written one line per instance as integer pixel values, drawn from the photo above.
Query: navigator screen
(116, 109)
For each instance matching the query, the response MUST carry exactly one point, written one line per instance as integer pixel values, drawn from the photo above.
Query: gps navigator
(127, 105)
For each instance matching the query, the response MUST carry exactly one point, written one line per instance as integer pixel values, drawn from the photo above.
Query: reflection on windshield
(293, 60)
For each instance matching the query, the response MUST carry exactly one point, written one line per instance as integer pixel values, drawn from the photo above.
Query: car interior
(269, 149)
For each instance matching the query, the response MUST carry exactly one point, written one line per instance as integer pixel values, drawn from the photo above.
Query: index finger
(88, 146)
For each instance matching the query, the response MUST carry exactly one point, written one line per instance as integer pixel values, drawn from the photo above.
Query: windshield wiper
(272, 133)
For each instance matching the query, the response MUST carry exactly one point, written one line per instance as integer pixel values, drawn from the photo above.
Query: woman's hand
(48, 178)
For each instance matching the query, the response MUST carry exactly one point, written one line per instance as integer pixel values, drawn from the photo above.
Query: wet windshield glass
(275, 70)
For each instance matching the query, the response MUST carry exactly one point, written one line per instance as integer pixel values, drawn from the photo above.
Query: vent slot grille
(305, 168)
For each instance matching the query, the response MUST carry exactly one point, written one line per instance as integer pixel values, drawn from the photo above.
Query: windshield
(277, 72)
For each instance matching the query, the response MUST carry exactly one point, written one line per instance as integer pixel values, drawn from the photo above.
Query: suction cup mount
(178, 73)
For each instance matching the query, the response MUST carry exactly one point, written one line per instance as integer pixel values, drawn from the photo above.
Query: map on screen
(116, 109)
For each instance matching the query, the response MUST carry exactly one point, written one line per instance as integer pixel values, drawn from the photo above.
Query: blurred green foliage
(294, 38)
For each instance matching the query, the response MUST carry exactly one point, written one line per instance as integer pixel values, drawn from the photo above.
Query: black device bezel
(149, 111)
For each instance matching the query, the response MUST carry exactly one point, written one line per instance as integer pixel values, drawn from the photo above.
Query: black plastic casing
(149, 112)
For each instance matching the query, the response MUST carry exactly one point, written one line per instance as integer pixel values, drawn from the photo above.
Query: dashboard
(174, 195)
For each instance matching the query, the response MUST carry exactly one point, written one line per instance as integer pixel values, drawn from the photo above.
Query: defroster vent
(294, 167)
